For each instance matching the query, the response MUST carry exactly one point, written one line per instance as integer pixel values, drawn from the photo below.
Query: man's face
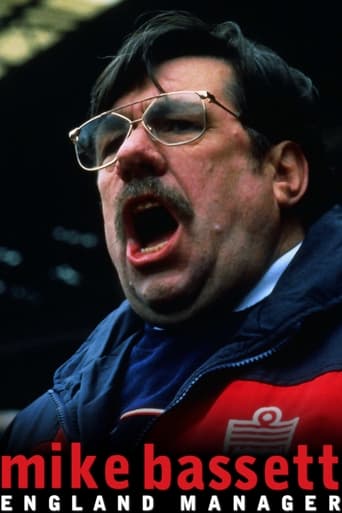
(188, 226)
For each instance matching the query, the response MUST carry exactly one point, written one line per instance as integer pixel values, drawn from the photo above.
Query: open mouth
(150, 226)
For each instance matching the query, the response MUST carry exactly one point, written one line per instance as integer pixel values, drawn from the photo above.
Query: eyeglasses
(171, 118)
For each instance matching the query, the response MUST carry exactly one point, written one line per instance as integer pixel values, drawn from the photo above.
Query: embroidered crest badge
(265, 432)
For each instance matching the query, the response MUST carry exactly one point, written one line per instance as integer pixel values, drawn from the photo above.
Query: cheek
(107, 194)
(108, 191)
(244, 208)
(110, 236)
(259, 216)
(257, 193)
(106, 186)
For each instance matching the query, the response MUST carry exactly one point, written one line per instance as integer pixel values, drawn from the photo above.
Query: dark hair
(276, 101)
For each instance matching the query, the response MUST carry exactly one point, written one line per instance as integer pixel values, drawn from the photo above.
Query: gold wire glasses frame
(128, 124)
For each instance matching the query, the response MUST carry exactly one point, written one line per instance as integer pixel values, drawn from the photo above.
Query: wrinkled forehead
(181, 74)
(164, 104)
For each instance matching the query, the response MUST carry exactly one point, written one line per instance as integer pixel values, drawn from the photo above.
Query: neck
(291, 234)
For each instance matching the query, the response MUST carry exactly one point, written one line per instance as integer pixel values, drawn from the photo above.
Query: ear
(291, 173)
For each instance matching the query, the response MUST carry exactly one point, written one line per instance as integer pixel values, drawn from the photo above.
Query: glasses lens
(176, 118)
(100, 139)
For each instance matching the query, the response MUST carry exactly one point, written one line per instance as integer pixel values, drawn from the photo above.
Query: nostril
(135, 162)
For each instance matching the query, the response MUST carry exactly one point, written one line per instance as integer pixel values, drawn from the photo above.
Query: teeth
(151, 249)
(145, 206)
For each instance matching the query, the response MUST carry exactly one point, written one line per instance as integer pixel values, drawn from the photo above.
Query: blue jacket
(275, 383)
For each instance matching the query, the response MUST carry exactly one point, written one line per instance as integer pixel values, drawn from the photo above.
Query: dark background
(56, 280)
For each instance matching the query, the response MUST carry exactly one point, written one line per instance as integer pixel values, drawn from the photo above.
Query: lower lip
(138, 259)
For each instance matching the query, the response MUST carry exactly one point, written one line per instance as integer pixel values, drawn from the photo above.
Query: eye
(108, 146)
(109, 136)
(175, 119)
(174, 124)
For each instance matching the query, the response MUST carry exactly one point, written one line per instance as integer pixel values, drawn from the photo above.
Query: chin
(169, 312)
(171, 302)
(162, 318)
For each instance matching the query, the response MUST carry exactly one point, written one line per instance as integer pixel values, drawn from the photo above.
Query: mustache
(151, 185)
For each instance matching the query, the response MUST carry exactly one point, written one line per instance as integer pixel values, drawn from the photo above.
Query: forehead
(182, 73)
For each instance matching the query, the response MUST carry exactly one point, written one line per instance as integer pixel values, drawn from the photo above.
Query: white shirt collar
(268, 281)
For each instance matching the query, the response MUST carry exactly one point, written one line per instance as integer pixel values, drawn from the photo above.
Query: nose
(139, 156)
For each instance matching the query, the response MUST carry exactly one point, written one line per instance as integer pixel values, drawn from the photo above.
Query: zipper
(230, 365)
(59, 408)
